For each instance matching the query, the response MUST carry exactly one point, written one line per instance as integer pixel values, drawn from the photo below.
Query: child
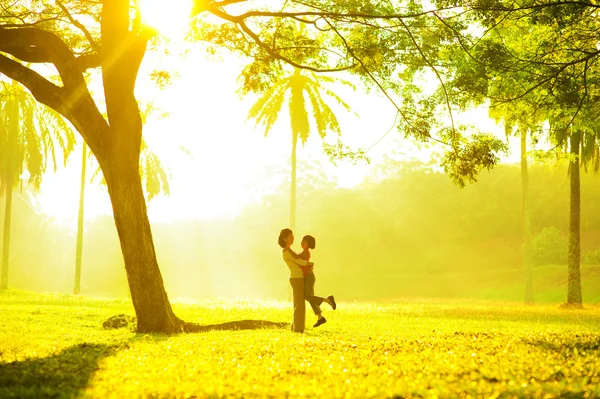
(308, 243)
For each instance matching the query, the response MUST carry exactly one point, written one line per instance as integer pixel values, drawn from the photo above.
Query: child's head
(308, 242)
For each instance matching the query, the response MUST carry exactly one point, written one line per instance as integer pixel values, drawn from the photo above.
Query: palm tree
(582, 140)
(518, 118)
(298, 88)
(30, 135)
(583, 150)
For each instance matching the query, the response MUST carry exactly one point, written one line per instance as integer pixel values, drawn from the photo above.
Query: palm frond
(33, 133)
(324, 116)
(268, 114)
(267, 97)
(155, 175)
(338, 99)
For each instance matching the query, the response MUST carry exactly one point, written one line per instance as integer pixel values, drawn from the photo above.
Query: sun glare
(169, 18)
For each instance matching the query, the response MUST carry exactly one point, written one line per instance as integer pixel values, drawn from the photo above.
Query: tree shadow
(581, 342)
(234, 325)
(63, 375)
(122, 321)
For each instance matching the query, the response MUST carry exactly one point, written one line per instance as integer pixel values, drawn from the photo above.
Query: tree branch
(73, 100)
(437, 74)
(372, 77)
(334, 15)
(242, 24)
(88, 61)
(43, 90)
(79, 25)
(39, 46)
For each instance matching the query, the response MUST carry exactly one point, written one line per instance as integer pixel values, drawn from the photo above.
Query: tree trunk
(123, 51)
(152, 307)
(527, 260)
(79, 248)
(6, 236)
(574, 281)
(293, 184)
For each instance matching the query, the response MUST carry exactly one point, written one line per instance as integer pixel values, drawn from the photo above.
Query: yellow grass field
(55, 346)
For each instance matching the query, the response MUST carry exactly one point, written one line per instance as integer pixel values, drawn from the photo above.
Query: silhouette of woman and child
(302, 279)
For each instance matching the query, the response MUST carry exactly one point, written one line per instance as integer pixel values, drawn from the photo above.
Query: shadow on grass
(234, 325)
(581, 342)
(122, 320)
(63, 375)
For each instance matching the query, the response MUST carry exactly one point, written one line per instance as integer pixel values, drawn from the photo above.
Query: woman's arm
(296, 259)
(303, 255)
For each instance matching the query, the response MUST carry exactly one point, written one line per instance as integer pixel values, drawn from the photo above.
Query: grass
(54, 346)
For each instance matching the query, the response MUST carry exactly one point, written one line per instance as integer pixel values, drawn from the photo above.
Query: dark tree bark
(574, 297)
(150, 300)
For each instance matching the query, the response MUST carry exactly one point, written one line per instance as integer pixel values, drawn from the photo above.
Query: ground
(55, 346)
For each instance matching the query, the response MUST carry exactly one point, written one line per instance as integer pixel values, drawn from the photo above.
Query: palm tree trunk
(293, 184)
(527, 261)
(6, 236)
(79, 248)
(574, 281)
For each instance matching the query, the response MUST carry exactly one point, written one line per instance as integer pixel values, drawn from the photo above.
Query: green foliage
(390, 46)
(549, 247)
(339, 151)
(469, 157)
(54, 346)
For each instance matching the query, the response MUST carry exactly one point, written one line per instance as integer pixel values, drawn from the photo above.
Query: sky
(228, 162)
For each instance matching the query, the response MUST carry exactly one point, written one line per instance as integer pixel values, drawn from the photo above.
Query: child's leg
(309, 293)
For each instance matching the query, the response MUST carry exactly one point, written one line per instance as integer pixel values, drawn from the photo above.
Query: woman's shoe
(332, 302)
(322, 320)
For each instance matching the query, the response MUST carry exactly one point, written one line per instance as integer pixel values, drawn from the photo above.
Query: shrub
(550, 246)
(592, 257)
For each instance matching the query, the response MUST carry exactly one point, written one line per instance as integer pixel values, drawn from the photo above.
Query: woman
(286, 239)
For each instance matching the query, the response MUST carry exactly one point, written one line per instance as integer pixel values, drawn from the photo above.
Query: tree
(369, 40)
(155, 179)
(299, 88)
(551, 65)
(30, 136)
(520, 117)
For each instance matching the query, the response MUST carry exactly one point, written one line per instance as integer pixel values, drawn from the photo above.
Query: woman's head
(308, 242)
(286, 238)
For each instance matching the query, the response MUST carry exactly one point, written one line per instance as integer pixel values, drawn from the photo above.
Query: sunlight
(170, 19)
